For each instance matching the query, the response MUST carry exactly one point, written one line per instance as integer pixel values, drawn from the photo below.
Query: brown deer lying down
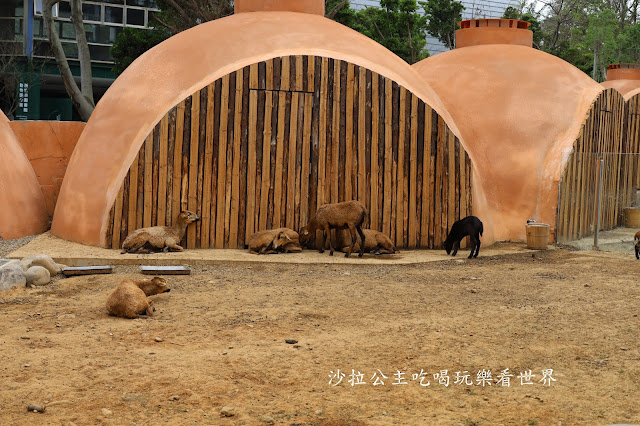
(346, 215)
(159, 238)
(129, 299)
(636, 239)
(375, 242)
(271, 241)
(470, 226)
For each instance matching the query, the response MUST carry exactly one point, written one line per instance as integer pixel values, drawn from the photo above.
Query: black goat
(470, 226)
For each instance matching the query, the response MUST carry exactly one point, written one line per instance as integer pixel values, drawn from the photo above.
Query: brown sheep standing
(156, 238)
(346, 215)
(273, 241)
(129, 299)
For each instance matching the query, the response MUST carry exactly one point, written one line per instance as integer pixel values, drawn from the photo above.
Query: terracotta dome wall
(176, 69)
(262, 147)
(519, 111)
(601, 135)
(23, 209)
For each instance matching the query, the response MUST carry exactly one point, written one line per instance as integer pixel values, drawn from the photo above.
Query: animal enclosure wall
(264, 146)
(604, 135)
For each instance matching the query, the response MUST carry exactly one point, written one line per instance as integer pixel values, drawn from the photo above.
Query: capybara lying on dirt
(159, 238)
(375, 242)
(470, 226)
(271, 241)
(129, 299)
(636, 239)
(346, 215)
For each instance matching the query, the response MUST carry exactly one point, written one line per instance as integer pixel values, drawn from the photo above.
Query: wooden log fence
(264, 146)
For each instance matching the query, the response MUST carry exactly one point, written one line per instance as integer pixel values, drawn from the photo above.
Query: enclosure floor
(618, 240)
(74, 254)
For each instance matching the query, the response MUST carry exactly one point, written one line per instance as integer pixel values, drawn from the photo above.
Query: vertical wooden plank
(222, 162)
(193, 165)
(235, 179)
(269, 74)
(291, 169)
(311, 69)
(349, 157)
(285, 74)
(162, 175)
(451, 198)
(277, 195)
(375, 122)
(148, 175)
(322, 139)
(299, 74)
(253, 76)
(388, 157)
(251, 167)
(362, 133)
(266, 158)
(335, 142)
(177, 161)
(205, 213)
(244, 146)
(413, 158)
(117, 217)
(155, 173)
(306, 160)
(400, 197)
(230, 160)
(133, 194)
(140, 201)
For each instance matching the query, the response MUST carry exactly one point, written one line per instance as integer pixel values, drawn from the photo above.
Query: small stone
(268, 420)
(37, 275)
(174, 398)
(224, 352)
(36, 408)
(297, 346)
(158, 339)
(473, 290)
(291, 341)
(228, 411)
(316, 361)
(106, 412)
(27, 365)
(624, 349)
(587, 285)
(25, 337)
(318, 412)
(485, 398)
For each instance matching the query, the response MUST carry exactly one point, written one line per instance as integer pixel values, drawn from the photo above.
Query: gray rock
(228, 412)
(41, 260)
(37, 275)
(11, 275)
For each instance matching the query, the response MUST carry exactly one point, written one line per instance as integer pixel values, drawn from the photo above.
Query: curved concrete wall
(48, 146)
(23, 209)
(627, 88)
(519, 111)
(175, 69)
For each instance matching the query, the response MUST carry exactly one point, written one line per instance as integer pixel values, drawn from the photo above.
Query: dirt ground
(218, 340)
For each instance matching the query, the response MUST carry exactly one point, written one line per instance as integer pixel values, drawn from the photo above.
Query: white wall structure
(472, 9)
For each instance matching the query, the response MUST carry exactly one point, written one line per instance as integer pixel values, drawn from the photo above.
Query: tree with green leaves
(443, 17)
(534, 24)
(133, 42)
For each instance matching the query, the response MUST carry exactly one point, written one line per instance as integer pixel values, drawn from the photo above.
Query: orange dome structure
(256, 119)
(520, 112)
(23, 209)
(625, 78)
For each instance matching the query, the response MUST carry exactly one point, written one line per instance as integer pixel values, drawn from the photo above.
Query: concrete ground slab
(617, 240)
(74, 254)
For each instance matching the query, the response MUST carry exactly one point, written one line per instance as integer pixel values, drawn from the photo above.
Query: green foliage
(534, 23)
(443, 17)
(133, 42)
(397, 24)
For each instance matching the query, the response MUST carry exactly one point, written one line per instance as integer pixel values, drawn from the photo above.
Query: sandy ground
(218, 340)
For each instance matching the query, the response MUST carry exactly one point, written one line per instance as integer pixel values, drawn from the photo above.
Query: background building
(27, 63)
(472, 9)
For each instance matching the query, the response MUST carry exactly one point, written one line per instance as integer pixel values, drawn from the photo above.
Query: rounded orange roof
(519, 111)
(23, 209)
(625, 78)
(303, 6)
(475, 32)
(178, 67)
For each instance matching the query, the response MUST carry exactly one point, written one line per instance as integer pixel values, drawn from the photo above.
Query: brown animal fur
(129, 299)
(375, 242)
(346, 215)
(274, 241)
(156, 238)
(636, 239)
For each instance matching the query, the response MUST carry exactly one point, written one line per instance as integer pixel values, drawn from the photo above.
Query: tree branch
(333, 12)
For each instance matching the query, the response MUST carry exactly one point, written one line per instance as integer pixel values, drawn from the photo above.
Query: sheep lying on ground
(346, 215)
(375, 242)
(129, 299)
(471, 226)
(636, 239)
(280, 240)
(159, 238)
